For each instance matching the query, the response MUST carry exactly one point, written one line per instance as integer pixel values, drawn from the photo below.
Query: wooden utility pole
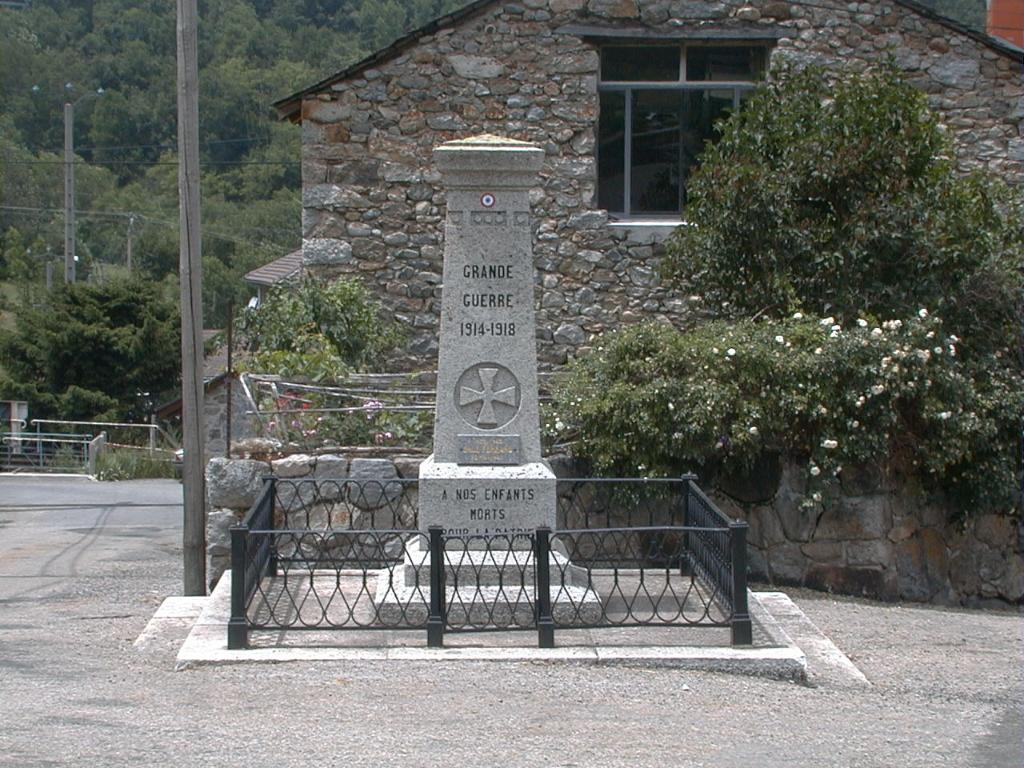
(131, 237)
(69, 192)
(190, 276)
(231, 379)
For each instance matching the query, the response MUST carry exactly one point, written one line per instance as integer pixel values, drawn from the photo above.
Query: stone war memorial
(486, 486)
(485, 537)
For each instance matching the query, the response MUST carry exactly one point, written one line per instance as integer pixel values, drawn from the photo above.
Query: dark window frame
(630, 87)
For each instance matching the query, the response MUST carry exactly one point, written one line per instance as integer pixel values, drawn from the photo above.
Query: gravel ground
(948, 685)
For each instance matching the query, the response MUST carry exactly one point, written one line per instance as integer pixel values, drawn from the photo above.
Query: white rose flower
(922, 313)
(730, 352)
(798, 316)
(780, 340)
(876, 333)
(752, 430)
(827, 321)
(829, 444)
(862, 322)
(815, 471)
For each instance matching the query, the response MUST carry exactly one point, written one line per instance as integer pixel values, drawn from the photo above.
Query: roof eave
(995, 43)
(290, 107)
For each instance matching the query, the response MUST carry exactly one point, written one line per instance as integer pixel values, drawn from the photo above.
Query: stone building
(621, 94)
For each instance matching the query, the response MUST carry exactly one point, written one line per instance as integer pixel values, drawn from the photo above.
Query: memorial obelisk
(486, 475)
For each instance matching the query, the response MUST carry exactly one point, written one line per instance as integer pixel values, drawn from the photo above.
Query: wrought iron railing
(345, 554)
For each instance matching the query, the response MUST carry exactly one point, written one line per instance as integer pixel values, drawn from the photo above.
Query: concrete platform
(774, 653)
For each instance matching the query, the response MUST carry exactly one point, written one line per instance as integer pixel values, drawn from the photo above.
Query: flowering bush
(311, 419)
(653, 400)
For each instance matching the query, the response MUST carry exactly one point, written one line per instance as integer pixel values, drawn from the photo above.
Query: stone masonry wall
(876, 537)
(373, 204)
(874, 540)
(215, 406)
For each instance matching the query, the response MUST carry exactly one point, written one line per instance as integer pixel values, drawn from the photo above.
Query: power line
(174, 146)
(127, 214)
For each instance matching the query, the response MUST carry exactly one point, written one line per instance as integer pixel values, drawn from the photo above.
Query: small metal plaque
(498, 450)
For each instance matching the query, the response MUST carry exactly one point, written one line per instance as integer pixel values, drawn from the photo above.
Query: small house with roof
(279, 271)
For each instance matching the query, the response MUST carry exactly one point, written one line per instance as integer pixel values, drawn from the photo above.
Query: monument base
(485, 588)
(480, 501)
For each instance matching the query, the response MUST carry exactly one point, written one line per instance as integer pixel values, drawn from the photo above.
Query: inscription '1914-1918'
(491, 328)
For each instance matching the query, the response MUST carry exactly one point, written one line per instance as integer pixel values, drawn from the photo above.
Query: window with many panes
(659, 104)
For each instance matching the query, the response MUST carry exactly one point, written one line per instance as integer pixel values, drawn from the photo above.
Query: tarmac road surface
(84, 565)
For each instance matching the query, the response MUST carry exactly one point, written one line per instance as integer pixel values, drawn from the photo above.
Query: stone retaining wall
(874, 540)
(373, 205)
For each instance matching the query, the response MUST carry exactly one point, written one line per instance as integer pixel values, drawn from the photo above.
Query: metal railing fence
(44, 452)
(345, 554)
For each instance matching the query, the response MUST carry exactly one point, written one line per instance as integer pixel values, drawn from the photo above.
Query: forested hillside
(251, 53)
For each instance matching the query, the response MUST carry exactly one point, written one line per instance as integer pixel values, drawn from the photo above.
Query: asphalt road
(81, 575)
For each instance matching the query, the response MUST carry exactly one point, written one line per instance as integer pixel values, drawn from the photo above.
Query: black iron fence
(345, 554)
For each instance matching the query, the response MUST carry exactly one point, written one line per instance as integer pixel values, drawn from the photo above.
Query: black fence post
(545, 621)
(238, 625)
(436, 619)
(271, 481)
(742, 632)
(687, 564)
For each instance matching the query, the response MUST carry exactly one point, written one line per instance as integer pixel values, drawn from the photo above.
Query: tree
(841, 197)
(93, 351)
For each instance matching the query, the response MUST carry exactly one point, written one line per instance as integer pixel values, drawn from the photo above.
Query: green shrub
(317, 330)
(654, 401)
(127, 464)
(840, 196)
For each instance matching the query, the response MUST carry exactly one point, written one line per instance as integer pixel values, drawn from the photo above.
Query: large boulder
(234, 483)
(376, 485)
